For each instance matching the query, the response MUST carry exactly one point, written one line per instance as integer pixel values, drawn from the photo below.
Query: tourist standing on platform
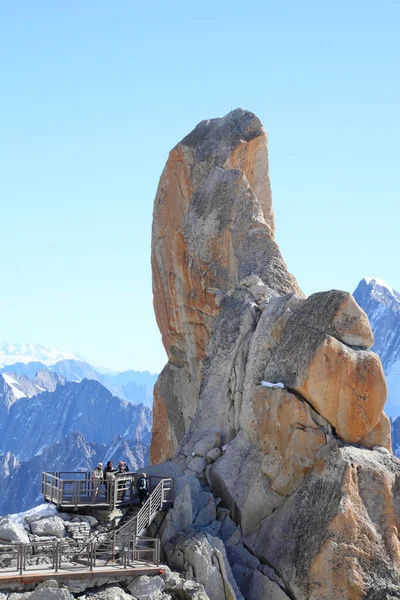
(143, 488)
(121, 469)
(97, 479)
(109, 476)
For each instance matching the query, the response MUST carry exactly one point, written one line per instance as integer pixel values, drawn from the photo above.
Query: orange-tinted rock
(344, 384)
(346, 387)
(289, 434)
(380, 435)
(212, 226)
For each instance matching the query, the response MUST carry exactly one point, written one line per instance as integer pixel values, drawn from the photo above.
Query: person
(143, 488)
(97, 479)
(121, 469)
(109, 476)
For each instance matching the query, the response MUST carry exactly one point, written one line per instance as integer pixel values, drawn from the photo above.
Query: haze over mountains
(29, 359)
(65, 415)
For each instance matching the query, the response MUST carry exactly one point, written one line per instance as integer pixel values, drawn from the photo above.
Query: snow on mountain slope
(382, 305)
(32, 424)
(21, 480)
(134, 386)
(14, 352)
(22, 386)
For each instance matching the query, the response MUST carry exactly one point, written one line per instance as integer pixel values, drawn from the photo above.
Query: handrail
(143, 519)
(124, 542)
(134, 550)
(81, 490)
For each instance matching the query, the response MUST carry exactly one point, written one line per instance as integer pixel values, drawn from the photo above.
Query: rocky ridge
(382, 305)
(69, 428)
(21, 480)
(271, 405)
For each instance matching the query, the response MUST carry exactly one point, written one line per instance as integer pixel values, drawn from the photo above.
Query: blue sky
(94, 94)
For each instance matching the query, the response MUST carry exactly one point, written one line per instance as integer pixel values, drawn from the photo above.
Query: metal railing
(123, 546)
(160, 498)
(74, 489)
(62, 555)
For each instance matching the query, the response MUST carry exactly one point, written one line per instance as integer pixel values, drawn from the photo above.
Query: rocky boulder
(54, 526)
(12, 532)
(345, 385)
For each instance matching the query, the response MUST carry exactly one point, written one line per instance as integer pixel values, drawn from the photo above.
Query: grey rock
(219, 402)
(197, 464)
(206, 514)
(50, 593)
(65, 516)
(207, 443)
(245, 491)
(238, 555)
(109, 592)
(13, 532)
(213, 455)
(203, 557)
(49, 526)
(180, 517)
(147, 588)
(262, 587)
(91, 520)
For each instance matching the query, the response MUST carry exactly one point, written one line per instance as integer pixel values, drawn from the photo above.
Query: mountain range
(59, 413)
(28, 359)
(382, 305)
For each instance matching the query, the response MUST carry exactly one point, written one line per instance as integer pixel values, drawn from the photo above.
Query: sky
(93, 96)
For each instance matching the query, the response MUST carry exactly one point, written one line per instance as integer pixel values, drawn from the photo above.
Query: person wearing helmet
(142, 488)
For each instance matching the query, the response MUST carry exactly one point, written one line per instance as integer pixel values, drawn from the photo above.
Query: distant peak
(14, 352)
(378, 281)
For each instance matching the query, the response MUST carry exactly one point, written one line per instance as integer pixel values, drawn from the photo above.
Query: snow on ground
(272, 385)
(43, 510)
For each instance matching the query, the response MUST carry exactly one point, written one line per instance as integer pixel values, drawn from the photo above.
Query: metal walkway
(121, 549)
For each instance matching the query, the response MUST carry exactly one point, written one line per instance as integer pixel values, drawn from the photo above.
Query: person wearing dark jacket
(122, 468)
(109, 476)
(142, 488)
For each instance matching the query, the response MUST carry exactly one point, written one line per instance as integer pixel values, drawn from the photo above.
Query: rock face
(213, 226)
(285, 388)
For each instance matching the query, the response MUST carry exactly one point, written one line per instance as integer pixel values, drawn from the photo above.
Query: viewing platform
(121, 551)
(75, 491)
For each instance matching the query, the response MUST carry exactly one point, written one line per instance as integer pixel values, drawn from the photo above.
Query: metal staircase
(161, 498)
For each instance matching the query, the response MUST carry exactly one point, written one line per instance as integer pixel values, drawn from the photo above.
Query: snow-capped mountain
(382, 305)
(21, 480)
(29, 425)
(23, 386)
(14, 352)
(134, 386)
